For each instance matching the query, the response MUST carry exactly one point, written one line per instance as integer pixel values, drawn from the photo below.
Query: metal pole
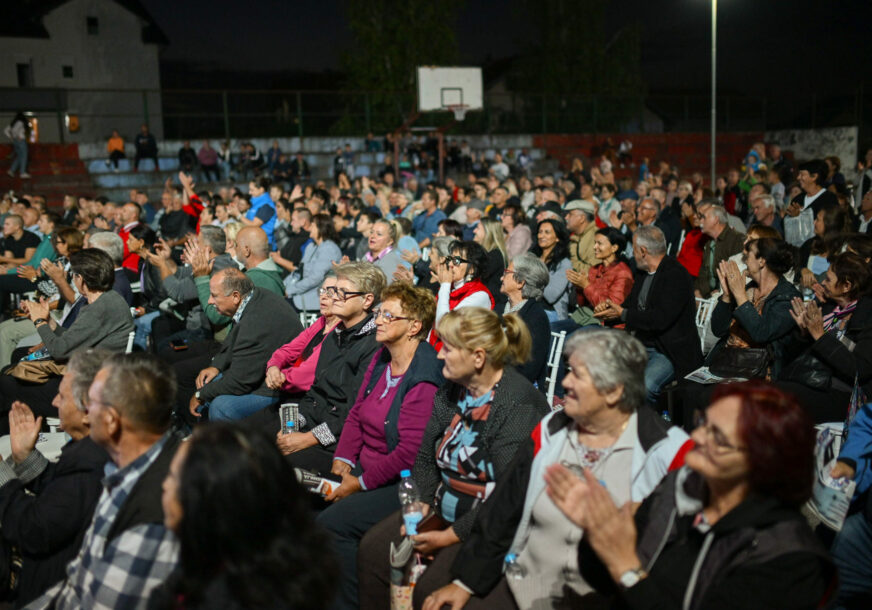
(145, 106)
(368, 112)
(714, 87)
(226, 116)
(300, 118)
(60, 113)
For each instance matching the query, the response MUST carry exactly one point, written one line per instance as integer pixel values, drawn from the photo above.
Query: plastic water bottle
(410, 500)
(514, 570)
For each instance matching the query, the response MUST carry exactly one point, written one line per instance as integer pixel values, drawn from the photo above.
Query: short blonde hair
(366, 277)
(493, 236)
(230, 231)
(470, 328)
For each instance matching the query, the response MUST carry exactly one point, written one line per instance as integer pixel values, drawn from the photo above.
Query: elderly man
(475, 210)
(233, 386)
(765, 213)
(579, 215)
(725, 242)
(344, 358)
(45, 507)
(127, 550)
(660, 311)
(23, 277)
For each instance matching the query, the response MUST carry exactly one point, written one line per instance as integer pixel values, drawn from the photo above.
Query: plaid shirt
(121, 573)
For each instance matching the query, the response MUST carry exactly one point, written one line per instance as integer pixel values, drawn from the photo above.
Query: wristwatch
(631, 578)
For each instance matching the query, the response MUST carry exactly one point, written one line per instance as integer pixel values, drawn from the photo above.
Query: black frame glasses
(455, 260)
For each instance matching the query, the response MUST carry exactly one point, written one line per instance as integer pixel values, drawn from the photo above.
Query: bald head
(252, 246)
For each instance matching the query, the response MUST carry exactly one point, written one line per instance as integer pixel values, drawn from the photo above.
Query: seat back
(555, 353)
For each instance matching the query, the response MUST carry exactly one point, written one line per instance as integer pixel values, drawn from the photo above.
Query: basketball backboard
(442, 88)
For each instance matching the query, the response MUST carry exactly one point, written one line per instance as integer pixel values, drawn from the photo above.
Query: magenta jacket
(299, 378)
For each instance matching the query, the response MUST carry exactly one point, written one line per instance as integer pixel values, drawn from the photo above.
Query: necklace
(589, 457)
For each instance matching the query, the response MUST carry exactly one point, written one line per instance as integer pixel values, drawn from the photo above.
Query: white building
(96, 60)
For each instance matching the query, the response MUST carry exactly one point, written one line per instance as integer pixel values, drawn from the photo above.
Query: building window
(93, 25)
(67, 71)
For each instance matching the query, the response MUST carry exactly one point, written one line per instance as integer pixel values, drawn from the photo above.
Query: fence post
(544, 115)
(226, 115)
(764, 114)
(300, 118)
(593, 112)
(813, 104)
(60, 115)
(368, 110)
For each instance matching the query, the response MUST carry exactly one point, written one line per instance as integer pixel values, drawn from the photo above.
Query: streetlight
(714, 86)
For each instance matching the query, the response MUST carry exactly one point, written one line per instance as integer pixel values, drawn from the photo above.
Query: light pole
(714, 86)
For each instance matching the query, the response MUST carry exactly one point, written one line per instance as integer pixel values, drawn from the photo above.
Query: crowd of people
(411, 322)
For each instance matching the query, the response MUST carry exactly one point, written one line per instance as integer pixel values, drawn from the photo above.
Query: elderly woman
(518, 236)
(105, 322)
(384, 428)
(757, 316)
(240, 556)
(524, 282)
(835, 347)
(603, 429)
(424, 272)
(303, 284)
(382, 248)
(552, 248)
(459, 279)
(725, 531)
(480, 418)
(291, 368)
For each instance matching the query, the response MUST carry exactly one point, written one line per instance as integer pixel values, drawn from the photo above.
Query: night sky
(764, 46)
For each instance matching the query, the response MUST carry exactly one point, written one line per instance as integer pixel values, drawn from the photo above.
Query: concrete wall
(815, 143)
(115, 58)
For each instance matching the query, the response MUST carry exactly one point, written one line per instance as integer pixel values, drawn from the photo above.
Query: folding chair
(555, 353)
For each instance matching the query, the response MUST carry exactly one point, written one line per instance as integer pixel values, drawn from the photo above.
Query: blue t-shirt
(424, 225)
(262, 207)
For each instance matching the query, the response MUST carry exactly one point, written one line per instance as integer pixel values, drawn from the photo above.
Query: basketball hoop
(459, 111)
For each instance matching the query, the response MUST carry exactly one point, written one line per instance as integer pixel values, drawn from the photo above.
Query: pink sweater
(299, 378)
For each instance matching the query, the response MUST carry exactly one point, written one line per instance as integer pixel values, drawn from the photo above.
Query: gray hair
(110, 243)
(651, 238)
(719, 211)
(533, 272)
(83, 366)
(215, 238)
(767, 200)
(234, 280)
(142, 388)
(442, 245)
(652, 201)
(613, 358)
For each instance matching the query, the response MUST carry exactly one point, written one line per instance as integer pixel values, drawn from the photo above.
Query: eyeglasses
(338, 294)
(387, 316)
(722, 445)
(511, 272)
(455, 260)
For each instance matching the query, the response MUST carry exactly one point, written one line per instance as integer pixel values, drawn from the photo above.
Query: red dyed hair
(780, 439)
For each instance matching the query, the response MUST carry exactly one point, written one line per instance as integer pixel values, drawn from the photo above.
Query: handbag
(808, 370)
(36, 371)
(741, 362)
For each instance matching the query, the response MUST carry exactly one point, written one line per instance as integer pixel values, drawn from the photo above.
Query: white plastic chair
(704, 309)
(308, 318)
(555, 353)
(130, 337)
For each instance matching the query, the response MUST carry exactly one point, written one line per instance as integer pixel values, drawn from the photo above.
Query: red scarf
(454, 299)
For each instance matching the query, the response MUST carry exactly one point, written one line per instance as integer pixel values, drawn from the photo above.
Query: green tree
(390, 40)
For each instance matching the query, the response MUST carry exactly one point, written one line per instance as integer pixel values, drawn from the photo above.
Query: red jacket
(612, 282)
(690, 255)
(130, 260)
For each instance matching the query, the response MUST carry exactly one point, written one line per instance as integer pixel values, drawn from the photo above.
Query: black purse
(744, 362)
(808, 370)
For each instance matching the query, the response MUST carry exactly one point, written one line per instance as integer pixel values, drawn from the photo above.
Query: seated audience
(524, 282)
(291, 368)
(693, 243)
(260, 549)
(660, 312)
(105, 322)
(459, 278)
(383, 252)
(604, 431)
(319, 256)
(518, 237)
(480, 418)
(233, 386)
(735, 503)
(112, 245)
(127, 551)
(829, 223)
(383, 431)
(425, 272)
(20, 278)
(489, 235)
(552, 248)
(725, 242)
(45, 507)
(834, 349)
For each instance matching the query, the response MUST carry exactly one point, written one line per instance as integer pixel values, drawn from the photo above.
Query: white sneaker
(24, 175)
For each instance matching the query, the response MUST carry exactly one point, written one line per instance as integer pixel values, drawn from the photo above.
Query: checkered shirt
(121, 573)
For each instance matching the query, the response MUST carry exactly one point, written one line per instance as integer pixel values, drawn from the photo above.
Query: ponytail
(519, 340)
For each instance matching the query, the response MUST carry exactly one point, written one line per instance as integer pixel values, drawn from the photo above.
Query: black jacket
(345, 356)
(772, 328)
(536, 367)
(47, 518)
(761, 554)
(515, 410)
(830, 354)
(670, 223)
(267, 323)
(667, 319)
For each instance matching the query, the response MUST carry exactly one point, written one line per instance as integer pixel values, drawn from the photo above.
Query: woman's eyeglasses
(338, 294)
(387, 316)
(722, 445)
